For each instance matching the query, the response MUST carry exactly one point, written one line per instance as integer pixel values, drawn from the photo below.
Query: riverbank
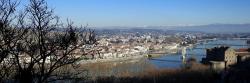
(159, 54)
(163, 52)
(131, 58)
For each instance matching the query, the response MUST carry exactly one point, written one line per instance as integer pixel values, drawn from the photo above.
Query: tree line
(32, 45)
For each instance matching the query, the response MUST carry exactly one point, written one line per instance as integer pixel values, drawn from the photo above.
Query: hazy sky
(152, 12)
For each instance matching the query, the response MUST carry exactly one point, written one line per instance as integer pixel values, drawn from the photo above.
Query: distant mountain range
(211, 28)
(216, 28)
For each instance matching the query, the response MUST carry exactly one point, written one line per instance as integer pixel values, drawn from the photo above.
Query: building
(218, 56)
(225, 54)
(242, 54)
(217, 65)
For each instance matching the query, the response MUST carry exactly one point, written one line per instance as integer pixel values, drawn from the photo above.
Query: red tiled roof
(242, 50)
(243, 54)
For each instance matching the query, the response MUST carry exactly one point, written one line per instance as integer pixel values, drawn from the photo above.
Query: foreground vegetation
(165, 76)
(197, 73)
(191, 73)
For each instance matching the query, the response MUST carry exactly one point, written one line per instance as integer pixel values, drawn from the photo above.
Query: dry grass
(196, 74)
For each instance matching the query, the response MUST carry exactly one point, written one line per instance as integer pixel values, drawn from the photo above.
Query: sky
(102, 13)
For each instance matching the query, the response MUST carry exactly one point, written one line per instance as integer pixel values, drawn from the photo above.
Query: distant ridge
(216, 28)
(211, 28)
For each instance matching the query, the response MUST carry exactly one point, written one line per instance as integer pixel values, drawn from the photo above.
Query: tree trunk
(25, 76)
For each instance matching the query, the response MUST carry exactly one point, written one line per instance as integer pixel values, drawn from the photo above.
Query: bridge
(227, 44)
(206, 45)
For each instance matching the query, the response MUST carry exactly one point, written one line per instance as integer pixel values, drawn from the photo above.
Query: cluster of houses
(223, 57)
(102, 52)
